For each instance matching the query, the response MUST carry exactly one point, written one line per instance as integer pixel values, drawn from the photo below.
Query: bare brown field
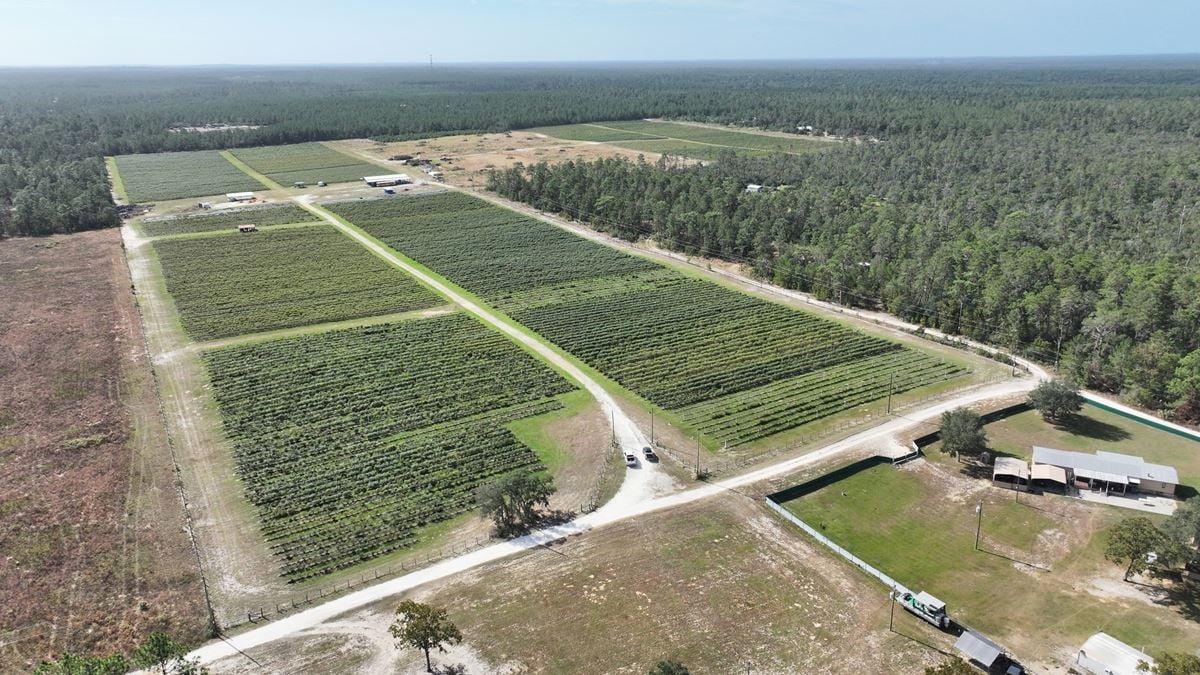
(719, 585)
(93, 551)
(471, 156)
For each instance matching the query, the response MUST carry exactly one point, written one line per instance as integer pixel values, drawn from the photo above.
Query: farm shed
(1012, 472)
(247, 227)
(1110, 471)
(754, 187)
(978, 648)
(239, 196)
(386, 180)
(1103, 654)
(1048, 475)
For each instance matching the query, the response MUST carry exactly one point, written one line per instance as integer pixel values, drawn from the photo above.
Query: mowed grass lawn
(1095, 429)
(918, 526)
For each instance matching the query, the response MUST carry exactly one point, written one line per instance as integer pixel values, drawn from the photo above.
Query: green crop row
(224, 286)
(349, 441)
(226, 219)
(682, 343)
(305, 162)
(490, 250)
(175, 175)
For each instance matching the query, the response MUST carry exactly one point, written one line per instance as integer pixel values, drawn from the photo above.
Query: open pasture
(176, 175)
(305, 162)
(684, 140)
(224, 286)
(594, 133)
(225, 219)
(735, 367)
(350, 441)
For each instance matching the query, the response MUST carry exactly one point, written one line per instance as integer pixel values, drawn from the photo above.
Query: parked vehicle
(651, 456)
(630, 459)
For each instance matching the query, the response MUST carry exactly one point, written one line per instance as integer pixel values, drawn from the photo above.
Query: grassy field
(93, 551)
(717, 585)
(234, 285)
(736, 368)
(680, 148)
(686, 140)
(225, 219)
(305, 162)
(918, 525)
(349, 441)
(175, 175)
(1091, 430)
(592, 133)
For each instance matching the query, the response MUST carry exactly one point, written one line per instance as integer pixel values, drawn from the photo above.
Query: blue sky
(100, 32)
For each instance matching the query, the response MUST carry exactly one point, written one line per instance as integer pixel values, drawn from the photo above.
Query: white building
(239, 196)
(386, 180)
(1103, 654)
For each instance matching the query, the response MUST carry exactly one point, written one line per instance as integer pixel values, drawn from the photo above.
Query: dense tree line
(57, 124)
(1066, 223)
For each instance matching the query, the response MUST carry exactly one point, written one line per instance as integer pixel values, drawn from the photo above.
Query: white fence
(854, 560)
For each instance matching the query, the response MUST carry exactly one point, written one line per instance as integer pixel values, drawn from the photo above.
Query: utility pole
(431, 61)
(651, 427)
(891, 386)
(613, 417)
(978, 522)
(697, 458)
(892, 611)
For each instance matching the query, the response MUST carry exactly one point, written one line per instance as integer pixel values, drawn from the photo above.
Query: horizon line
(618, 61)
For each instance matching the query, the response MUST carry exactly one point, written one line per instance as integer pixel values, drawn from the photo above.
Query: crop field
(487, 249)
(1039, 582)
(225, 286)
(684, 140)
(735, 367)
(175, 175)
(306, 162)
(350, 441)
(226, 219)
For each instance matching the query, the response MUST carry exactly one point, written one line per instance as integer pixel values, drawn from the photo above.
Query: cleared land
(349, 441)
(175, 175)
(93, 554)
(305, 162)
(227, 219)
(714, 584)
(737, 368)
(246, 283)
(918, 525)
(471, 157)
(687, 140)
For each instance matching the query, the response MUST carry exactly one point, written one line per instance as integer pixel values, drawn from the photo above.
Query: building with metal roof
(1110, 471)
(239, 196)
(1103, 654)
(1011, 472)
(386, 180)
(978, 648)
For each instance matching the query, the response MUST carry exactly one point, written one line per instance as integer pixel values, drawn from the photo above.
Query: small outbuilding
(387, 180)
(1103, 654)
(239, 196)
(979, 649)
(247, 227)
(755, 187)
(1011, 472)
